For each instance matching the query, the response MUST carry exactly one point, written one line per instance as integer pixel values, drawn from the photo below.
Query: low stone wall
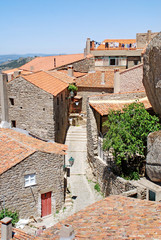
(100, 170)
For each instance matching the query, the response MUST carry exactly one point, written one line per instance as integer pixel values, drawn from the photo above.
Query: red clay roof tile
(16, 146)
(115, 217)
(104, 106)
(47, 63)
(94, 80)
(47, 82)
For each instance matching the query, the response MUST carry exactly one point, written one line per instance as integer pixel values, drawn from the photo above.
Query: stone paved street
(78, 184)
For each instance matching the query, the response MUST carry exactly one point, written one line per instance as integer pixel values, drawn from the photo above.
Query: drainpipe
(116, 80)
(6, 228)
(4, 102)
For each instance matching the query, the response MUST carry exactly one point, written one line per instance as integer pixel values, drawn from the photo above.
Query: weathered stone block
(153, 159)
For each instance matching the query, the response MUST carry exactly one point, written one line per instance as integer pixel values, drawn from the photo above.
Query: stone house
(94, 83)
(39, 103)
(31, 174)
(100, 162)
(121, 53)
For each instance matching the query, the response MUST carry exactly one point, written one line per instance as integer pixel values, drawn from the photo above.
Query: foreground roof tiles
(51, 62)
(94, 80)
(103, 107)
(16, 146)
(47, 82)
(115, 218)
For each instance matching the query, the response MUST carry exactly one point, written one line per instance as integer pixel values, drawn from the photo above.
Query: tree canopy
(127, 136)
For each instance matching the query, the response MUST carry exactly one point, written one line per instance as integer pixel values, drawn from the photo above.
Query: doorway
(45, 204)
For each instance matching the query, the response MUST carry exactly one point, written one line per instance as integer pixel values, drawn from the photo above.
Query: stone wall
(86, 92)
(37, 111)
(49, 178)
(131, 79)
(100, 169)
(143, 38)
(84, 65)
(61, 116)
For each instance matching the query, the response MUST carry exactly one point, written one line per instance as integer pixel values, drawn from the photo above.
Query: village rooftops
(106, 102)
(115, 217)
(97, 79)
(16, 146)
(51, 62)
(47, 82)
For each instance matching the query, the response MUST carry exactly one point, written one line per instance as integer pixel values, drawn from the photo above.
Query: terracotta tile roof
(104, 106)
(16, 146)
(10, 71)
(94, 80)
(114, 218)
(62, 76)
(75, 74)
(19, 235)
(47, 82)
(47, 63)
(122, 41)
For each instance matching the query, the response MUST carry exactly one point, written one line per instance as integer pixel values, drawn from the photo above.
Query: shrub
(7, 213)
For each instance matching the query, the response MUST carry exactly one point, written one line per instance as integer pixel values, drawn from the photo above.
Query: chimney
(148, 35)
(88, 46)
(31, 68)
(70, 70)
(103, 78)
(54, 62)
(4, 102)
(6, 228)
(67, 232)
(116, 80)
(16, 73)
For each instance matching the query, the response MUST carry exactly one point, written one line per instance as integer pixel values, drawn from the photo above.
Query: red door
(45, 204)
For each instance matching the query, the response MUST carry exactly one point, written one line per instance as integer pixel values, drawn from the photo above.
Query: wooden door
(45, 204)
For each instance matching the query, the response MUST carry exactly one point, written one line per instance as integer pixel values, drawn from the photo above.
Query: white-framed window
(30, 180)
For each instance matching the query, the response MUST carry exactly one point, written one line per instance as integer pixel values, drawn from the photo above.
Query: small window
(11, 101)
(152, 195)
(135, 62)
(30, 180)
(112, 61)
(57, 100)
(13, 123)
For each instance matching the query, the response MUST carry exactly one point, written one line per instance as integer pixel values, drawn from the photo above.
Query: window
(13, 123)
(57, 100)
(135, 62)
(30, 180)
(11, 101)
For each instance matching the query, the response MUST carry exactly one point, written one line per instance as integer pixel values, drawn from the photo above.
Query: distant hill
(15, 63)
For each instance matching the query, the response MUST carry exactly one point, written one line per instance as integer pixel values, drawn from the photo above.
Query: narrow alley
(81, 191)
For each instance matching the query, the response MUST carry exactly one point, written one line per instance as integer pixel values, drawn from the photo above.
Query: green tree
(127, 136)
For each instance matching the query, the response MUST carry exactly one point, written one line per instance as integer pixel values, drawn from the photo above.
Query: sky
(62, 26)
